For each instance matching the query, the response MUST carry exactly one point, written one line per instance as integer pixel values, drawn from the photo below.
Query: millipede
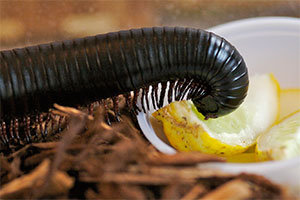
(192, 63)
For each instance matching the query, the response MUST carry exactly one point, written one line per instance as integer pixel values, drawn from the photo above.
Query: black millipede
(194, 63)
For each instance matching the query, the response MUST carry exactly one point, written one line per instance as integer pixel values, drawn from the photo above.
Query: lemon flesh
(289, 102)
(282, 141)
(234, 133)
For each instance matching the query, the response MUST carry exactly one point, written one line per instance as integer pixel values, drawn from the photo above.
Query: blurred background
(30, 22)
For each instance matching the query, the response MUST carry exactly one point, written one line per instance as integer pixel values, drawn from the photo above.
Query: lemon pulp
(282, 141)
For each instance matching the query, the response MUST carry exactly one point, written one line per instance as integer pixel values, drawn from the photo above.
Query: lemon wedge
(289, 102)
(234, 133)
(282, 141)
(243, 158)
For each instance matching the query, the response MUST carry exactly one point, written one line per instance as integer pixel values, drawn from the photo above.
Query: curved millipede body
(196, 64)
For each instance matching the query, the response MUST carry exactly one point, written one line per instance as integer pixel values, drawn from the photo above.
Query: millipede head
(207, 106)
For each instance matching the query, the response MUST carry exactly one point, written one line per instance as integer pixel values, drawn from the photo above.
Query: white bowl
(268, 44)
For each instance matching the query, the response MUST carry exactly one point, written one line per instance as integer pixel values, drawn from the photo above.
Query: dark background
(30, 22)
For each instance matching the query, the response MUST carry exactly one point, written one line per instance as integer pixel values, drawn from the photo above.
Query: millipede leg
(36, 126)
(162, 94)
(116, 107)
(46, 124)
(153, 98)
(202, 91)
(176, 89)
(3, 133)
(2, 139)
(16, 127)
(170, 92)
(91, 108)
(53, 121)
(185, 89)
(147, 97)
(128, 100)
(59, 125)
(156, 94)
(106, 112)
(4, 128)
(135, 96)
(142, 100)
(181, 89)
(27, 121)
(11, 130)
(129, 103)
(192, 91)
(40, 124)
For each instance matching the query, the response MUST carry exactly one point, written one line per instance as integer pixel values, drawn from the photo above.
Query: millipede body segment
(194, 63)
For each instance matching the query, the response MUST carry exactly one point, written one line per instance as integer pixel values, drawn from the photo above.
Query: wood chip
(46, 145)
(195, 192)
(183, 158)
(60, 183)
(69, 111)
(232, 190)
(262, 181)
(172, 191)
(36, 159)
(130, 178)
(181, 172)
(132, 192)
(4, 164)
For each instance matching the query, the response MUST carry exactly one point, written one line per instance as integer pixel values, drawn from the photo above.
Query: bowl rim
(257, 21)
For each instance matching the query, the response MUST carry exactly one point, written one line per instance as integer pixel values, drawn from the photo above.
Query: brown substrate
(92, 160)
